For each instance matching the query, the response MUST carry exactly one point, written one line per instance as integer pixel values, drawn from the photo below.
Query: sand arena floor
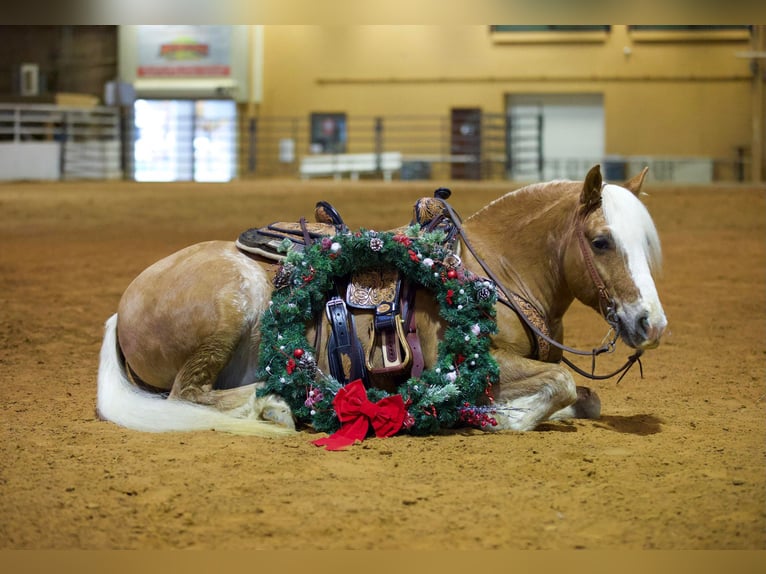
(676, 462)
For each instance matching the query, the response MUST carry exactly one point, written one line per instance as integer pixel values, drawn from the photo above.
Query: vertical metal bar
(739, 167)
(122, 137)
(378, 145)
(252, 128)
(508, 145)
(540, 159)
(17, 124)
(296, 134)
(62, 151)
(131, 154)
(191, 141)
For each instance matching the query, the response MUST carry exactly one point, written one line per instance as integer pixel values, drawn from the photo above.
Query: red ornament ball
(451, 273)
(298, 353)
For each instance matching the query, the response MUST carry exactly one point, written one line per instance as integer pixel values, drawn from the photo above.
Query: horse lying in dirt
(182, 351)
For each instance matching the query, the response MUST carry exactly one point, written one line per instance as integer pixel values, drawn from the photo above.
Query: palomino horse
(181, 352)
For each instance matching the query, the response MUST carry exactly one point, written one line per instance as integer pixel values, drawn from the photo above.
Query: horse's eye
(601, 243)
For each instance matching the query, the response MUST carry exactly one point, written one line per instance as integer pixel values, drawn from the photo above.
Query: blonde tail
(123, 403)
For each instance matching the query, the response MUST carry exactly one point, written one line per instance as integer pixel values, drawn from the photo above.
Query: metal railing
(54, 142)
(72, 143)
(274, 146)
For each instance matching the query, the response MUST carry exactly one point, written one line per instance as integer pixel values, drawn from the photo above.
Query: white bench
(350, 163)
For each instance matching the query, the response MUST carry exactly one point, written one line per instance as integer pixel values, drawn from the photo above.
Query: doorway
(558, 136)
(465, 143)
(185, 140)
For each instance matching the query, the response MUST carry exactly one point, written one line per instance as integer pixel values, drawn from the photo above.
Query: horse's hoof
(278, 412)
(274, 409)
(279, 415)
(587, 405)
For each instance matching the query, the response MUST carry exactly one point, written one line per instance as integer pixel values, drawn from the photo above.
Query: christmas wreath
(451, 392)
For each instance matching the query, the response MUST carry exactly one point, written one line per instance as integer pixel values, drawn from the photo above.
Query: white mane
(627, 217)
(631, 225)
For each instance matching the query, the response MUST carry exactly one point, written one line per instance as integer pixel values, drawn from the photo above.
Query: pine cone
(308, 363)
(283, 275)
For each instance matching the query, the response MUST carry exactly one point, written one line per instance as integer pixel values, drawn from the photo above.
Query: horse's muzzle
(642, 330)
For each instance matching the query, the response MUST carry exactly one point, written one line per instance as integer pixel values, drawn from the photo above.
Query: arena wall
(664, 94)
(667, 95)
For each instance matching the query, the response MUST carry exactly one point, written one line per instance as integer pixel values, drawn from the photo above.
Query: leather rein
(606, 303)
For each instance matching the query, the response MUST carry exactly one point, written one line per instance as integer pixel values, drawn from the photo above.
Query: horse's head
(611, 256)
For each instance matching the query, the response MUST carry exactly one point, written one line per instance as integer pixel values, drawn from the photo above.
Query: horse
(181, 352)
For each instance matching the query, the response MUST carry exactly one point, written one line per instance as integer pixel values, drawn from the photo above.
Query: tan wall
(663, 98)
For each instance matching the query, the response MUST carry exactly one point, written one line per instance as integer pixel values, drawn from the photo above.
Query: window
(549, 34)
(686, 28)
(688, 33)
(551, 28)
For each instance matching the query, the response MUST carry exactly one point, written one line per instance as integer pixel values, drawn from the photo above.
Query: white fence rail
(52, 142)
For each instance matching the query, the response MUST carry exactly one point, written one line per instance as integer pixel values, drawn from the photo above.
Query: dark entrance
(465, 143)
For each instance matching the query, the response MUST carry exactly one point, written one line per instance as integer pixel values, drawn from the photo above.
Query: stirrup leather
(345, 352)
(379, 290)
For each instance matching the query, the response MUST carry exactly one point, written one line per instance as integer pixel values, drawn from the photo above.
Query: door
(185, 140)
(465, 143)
(572, 132)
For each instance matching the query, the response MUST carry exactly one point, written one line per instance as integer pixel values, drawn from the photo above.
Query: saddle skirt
(269, 241)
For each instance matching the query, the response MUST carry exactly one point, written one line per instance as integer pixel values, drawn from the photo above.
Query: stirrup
(394, 347)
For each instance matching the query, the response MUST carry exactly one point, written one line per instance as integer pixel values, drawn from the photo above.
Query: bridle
(606, 302)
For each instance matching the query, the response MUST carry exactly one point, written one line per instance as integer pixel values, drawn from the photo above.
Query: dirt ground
(677, 460)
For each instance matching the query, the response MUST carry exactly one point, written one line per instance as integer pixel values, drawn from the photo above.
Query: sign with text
(184, 51)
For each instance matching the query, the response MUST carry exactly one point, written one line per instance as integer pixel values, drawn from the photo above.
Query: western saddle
(390, 353)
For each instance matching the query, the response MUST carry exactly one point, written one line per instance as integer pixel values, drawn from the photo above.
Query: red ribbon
(356, 413)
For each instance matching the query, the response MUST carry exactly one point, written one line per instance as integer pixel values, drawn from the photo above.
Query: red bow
(356, 413)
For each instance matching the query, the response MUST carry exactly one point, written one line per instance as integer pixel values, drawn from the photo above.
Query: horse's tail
(123, 403)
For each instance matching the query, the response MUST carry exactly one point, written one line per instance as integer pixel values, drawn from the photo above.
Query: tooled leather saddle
(390, 351)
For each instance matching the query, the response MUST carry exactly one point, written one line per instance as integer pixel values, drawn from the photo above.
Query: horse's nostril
(643, 324)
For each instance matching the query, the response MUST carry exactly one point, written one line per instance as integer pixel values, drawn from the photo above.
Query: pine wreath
(442, 396)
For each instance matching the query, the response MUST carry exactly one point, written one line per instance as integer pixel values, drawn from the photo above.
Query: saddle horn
(326, 213)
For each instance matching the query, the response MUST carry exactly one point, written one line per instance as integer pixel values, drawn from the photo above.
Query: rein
(606, 304)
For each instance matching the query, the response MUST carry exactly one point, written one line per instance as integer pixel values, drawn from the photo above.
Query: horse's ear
(635, 183)
(590, 197)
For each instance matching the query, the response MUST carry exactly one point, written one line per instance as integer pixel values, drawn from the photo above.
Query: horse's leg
(587, 406)
(242, 402)
(529, 392)
(196, 379)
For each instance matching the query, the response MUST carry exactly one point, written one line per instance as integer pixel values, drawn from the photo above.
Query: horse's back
(203, 291)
